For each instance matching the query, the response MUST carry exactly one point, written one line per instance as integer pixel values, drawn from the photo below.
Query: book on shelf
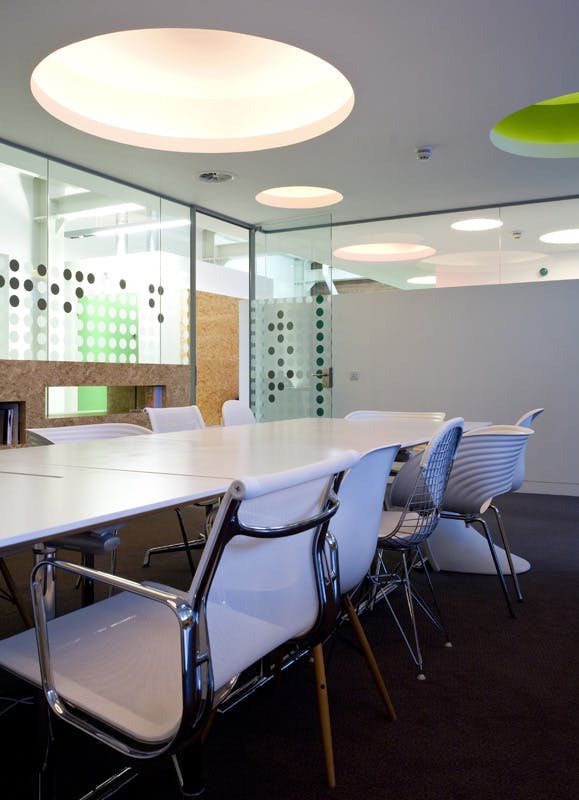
(9, 423)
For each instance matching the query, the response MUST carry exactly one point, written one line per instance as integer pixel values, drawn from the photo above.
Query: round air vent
(214, 176)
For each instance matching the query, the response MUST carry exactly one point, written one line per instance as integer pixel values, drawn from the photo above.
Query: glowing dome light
(548, 129)
(479, 224)
(192, 90)
(569, 236)
(299, 197)
(384, 251)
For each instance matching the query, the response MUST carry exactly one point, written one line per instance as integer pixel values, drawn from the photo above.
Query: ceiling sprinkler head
(423, 153)
(517, 234)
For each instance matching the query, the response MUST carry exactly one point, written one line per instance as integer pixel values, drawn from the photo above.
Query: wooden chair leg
(13, 594)
(324, 713)
(368, 655)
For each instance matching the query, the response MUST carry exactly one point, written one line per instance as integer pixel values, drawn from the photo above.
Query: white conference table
(78, 485)
(49, 490)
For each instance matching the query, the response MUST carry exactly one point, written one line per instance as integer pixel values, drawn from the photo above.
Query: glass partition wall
(92, 270)
(291, 322)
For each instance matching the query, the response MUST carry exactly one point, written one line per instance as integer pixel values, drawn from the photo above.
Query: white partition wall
(482, 352)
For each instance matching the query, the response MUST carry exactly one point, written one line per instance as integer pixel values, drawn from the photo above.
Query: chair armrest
(124, 584)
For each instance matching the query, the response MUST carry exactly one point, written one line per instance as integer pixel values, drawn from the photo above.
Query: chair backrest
(268, 574)
(519, 473)
(435, 416)
(175, 418)
(527, 419)
(262, 576)
(420, 486)
(235, 412)
(357, 521)
(484, 467)
(72, 433)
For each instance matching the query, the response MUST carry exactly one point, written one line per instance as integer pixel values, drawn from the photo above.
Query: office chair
(235, 412)
(167, 420)
(355, 528)
(104, 541)
(483, 468)
(525, 421)
(404, 530)
(268, 574)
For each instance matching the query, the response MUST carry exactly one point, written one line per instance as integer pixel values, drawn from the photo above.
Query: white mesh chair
(355, 528)
(403, 531)
(175, 418)
(143, 670)
(235, 412)
(89, 544)
(483, 469)
(170, 419)
(405, 452)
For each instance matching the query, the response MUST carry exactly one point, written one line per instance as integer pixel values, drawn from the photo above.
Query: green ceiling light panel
(548, 129)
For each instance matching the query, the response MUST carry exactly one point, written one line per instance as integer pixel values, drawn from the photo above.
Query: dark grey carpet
(497, 717)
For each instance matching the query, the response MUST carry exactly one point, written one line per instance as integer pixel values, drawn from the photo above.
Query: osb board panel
(26, 381)
(217, 353)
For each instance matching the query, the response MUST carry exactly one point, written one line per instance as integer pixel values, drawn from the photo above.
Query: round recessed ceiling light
(423, 280)
(479, 224)
(569, 236)
(299, 197)
(548, 129)
(384, 251)
(192, 90)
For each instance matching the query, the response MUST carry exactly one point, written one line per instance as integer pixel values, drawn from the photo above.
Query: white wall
(484, 353)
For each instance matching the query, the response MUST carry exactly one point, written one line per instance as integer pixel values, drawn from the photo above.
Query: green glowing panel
(108, 329)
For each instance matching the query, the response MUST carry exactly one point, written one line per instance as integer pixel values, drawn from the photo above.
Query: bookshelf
(10, 419)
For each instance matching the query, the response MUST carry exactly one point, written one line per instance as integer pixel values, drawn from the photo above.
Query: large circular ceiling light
(192, 90)
(299, 197)
(384, 251)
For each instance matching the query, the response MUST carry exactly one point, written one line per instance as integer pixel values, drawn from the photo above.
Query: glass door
(291, 321)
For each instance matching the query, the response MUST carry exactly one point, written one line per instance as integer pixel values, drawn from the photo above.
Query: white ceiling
(439, 73)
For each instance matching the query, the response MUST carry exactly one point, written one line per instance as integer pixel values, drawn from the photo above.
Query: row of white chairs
(255, 590)
(216, 630)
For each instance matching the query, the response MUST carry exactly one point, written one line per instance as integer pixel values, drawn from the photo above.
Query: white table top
(37, 504)
(227, 452)
(59, 488)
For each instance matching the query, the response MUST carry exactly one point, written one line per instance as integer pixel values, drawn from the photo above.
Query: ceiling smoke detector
(423, 153)
(214, 176)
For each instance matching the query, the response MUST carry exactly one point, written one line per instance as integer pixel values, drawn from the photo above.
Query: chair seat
(389, 521)
(100, 644)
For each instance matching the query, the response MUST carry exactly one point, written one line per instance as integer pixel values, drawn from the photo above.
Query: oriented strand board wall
(217, 353)
(26, 382)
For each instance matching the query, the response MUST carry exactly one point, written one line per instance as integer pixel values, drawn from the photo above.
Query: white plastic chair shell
(73, 433)
(235, 412)
(484, 467)
(525, 421)
(357, 521)
(175, 418)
